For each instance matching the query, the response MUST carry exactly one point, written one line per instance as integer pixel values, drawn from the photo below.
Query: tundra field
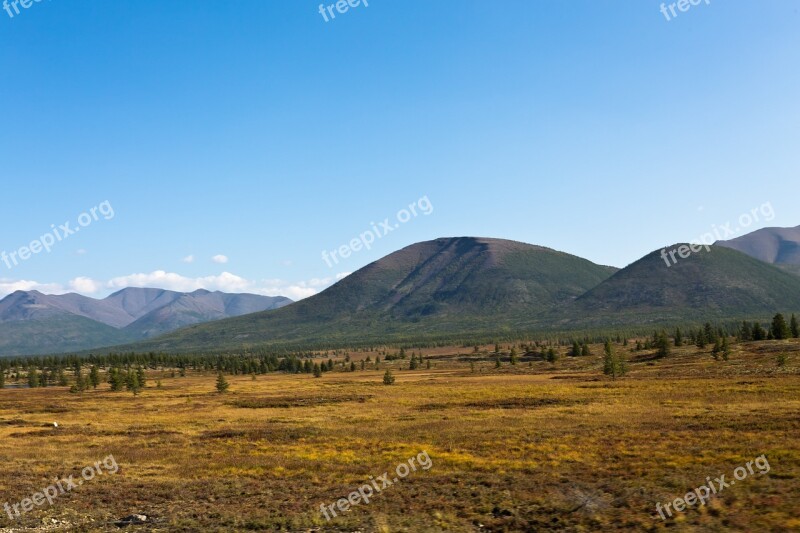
(534, 446)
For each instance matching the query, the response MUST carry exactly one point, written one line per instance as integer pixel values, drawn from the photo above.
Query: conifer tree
(222, 384)
(33, 378)
(726, 348)
(758, 332)
(610, 366)
(576, 349)
(662, 345)
(94, 377)
(132, 383)
(780, 329)
(701, 340)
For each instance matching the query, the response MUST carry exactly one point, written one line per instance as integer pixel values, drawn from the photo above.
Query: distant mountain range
(458, 287)
(451, 285)
(449, 288)
(716, 284)
(776, 246)
(32, 322)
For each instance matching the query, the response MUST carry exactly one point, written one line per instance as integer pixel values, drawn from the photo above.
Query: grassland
(530, 447)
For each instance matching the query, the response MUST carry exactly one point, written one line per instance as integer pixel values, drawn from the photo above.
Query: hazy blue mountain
(32, 322)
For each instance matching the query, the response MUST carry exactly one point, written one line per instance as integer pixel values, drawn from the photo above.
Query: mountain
(33, 323)
(197, 307)
(720, 283)
(455, 286)
(777, 246)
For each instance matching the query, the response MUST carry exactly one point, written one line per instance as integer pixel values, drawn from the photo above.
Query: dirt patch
(285, 402)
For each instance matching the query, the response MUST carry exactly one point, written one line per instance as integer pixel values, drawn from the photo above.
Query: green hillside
(57, 334)
(721, 283)
(445, 286)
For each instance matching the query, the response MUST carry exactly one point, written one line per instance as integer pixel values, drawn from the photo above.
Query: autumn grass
(529, 447)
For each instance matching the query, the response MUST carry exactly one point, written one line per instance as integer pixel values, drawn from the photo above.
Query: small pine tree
(701, 340)
(746, 331)
(662, 345)
(794, 327)
(132, 383)
(678, 337)
(726, 349)
(781, 360)
(94, 377)
(2, 378)
(116, 379)
(717, 348)
(609, 361)
(317, 370)
(576, 349)
(552, 356)
(513, 356)
(388, 378)
(708, 331)
(222, 383)
(759, 334)
(33, 378)
(780, 329)
(585, 349)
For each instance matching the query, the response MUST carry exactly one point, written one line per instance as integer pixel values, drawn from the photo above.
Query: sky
(227, 145)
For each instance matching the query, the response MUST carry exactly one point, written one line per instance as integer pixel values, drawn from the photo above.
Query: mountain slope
(777, 246)
(719, 283)
(34, 323)
(450, 285)
(57, 332)
(200, 306)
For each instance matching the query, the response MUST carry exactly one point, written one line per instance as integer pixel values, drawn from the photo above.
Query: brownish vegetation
(528, 447)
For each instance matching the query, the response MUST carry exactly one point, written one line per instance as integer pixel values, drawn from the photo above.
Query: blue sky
(257, 131)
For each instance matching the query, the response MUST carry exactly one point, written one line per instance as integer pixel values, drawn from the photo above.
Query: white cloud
(188, 259)
(85, 285)
(80, 251)
(7, 286)
(220, 259)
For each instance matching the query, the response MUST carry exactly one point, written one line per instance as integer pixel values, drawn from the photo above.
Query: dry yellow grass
(522, 448)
